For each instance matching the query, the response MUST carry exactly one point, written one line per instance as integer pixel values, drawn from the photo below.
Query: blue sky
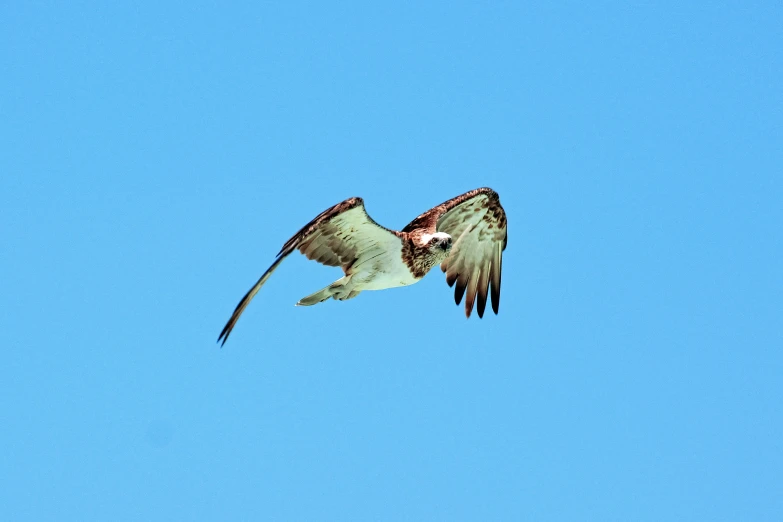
(156, 156)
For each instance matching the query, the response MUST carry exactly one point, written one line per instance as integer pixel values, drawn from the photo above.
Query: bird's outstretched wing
(338, 236)
(477, 223)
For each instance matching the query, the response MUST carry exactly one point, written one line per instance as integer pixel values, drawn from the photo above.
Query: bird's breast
(385, 271)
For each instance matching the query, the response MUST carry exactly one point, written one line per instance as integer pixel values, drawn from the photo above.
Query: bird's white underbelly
(386, 271)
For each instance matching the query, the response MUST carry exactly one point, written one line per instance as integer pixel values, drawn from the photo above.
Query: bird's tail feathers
(336, 290)
(318, 297)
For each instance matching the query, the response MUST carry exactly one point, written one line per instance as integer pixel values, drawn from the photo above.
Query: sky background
(155, 156)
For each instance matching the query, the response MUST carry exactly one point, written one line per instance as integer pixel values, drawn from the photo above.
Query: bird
(465, 235)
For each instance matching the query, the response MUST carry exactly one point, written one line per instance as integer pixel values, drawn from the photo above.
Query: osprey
(466, 235)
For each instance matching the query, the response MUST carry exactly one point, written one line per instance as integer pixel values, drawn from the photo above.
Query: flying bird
(466, 235)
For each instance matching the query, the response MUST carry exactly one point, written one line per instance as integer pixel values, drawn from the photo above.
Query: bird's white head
(438, 243)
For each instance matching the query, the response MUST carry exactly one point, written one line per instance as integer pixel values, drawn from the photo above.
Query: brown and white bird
(466, 235)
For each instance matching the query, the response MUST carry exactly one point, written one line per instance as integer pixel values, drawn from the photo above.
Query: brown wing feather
(334, 237)
(317, 232)
(497, 265)
(483, 285)
(477, 222)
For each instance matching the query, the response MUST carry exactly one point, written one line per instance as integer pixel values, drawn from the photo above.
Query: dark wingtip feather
(482, 288)
(495, 288)
(470, 296)
(468, 306)
(223, 342)
(459, 290)
(235, 316)
(227, 329)
(482, 301)
(224, 337)
(497, 272)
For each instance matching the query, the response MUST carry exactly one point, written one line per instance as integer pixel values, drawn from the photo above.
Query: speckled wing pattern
(338, 236)
(477, 223)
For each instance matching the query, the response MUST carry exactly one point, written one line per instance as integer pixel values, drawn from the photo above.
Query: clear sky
(155, 156)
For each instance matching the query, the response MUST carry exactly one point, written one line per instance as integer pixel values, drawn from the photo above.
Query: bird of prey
(466, 235)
